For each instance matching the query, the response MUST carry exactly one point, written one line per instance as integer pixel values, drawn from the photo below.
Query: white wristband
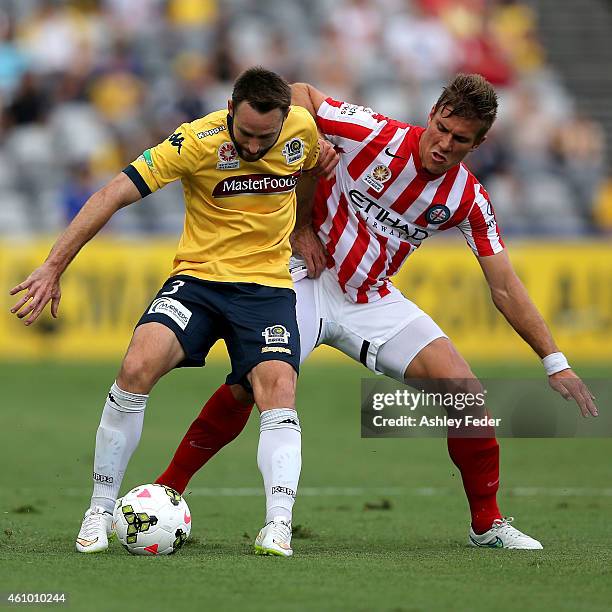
(555, 362)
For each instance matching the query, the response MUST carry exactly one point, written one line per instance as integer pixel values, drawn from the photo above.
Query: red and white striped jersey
(382, 203)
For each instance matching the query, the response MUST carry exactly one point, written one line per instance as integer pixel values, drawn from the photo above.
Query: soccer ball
(152, 519)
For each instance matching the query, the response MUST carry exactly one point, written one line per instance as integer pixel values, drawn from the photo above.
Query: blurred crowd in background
(87, 85)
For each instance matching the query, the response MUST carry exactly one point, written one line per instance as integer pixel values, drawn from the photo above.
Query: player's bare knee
(153, 351)
(279, 392)
(274, 385)
(137, 374)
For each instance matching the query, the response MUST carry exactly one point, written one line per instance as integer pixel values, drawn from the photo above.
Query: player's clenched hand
(40, 287)
(305, 242)
(570, 386)
(328, 160)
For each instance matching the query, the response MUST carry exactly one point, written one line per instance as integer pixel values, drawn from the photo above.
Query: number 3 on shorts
(177, 284)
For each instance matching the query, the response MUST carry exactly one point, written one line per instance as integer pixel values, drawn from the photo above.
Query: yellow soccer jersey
(238, 215)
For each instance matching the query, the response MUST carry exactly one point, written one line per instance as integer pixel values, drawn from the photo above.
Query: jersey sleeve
(480, 227)
(346, 125)
(313, 145)
(174, 158)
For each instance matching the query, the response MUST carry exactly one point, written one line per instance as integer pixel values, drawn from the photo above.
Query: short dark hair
(470, 96)
(263, 89)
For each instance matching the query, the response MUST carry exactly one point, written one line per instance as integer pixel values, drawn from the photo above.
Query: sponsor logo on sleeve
(438, 213)
(255, 184)
(228, 157)
(211, 132)
(350, 109)
(176, 140)
(378, 177)
(171, 308)
(490, 217)
(293, 150)
(276, 334)
(146, 157)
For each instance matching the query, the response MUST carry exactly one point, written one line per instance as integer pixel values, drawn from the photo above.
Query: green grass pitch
(382, 523)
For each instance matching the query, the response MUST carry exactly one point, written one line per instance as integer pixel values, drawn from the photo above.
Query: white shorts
(326, 316)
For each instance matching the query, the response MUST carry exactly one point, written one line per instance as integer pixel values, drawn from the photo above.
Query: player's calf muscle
(242, 395)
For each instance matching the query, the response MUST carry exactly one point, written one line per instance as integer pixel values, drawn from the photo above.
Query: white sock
(116, 439)
(279, 458)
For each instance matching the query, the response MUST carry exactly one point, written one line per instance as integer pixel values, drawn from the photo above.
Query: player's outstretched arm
(512, 300)
(43, 284)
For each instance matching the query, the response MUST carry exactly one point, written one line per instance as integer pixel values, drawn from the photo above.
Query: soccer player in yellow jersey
(239, 169)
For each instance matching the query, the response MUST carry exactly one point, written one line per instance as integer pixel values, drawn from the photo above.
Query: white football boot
(274, 538)
(95, 532)
(503, 535)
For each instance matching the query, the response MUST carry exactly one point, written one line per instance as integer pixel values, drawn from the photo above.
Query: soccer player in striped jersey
(239, 168)
(396, 185)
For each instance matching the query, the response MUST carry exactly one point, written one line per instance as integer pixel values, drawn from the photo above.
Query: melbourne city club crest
(438, 213)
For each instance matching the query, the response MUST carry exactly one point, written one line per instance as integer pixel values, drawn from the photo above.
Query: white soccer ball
(152, 520)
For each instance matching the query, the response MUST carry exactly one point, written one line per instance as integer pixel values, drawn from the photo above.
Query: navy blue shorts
(258, 323)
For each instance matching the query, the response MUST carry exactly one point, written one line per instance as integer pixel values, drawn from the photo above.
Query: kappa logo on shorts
(276, 334)
(173, 309)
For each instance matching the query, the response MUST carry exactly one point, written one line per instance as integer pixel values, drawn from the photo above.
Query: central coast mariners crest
(376, 179)
(228, 157)
(276, 334)
(293, 150)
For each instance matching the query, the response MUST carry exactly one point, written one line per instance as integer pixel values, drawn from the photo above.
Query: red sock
(478, 462)
(221, 420)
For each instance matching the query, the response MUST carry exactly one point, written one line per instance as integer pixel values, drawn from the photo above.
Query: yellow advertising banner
(108, 286)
